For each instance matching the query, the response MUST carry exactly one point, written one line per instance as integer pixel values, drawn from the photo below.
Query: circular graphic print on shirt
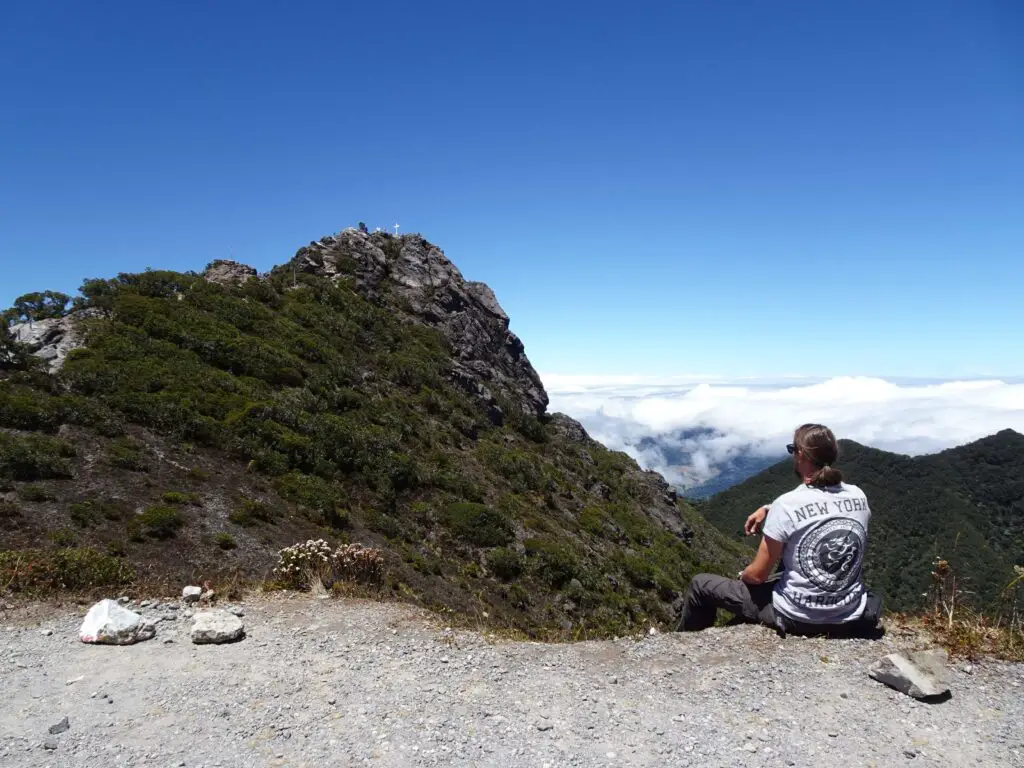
(831, 555)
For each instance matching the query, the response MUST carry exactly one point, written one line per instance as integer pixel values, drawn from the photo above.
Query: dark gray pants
(707, 593)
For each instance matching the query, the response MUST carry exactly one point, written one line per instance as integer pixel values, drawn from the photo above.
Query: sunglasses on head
(791, 448)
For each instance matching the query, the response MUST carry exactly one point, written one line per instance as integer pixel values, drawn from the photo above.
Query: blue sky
(739, 189)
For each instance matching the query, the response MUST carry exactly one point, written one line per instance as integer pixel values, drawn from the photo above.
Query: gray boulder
(217, 626)
(921, 674)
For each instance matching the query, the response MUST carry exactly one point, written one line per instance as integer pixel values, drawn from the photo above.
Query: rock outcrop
(228, 272)
(53, 338)
(413, 277)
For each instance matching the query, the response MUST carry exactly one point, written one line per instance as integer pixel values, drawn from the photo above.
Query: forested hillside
(965, 505)
(167, 426)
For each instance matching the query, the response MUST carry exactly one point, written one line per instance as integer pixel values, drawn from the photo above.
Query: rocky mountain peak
(414, 278)
(228, 272)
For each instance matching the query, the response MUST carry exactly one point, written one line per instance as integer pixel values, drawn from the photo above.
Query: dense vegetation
(964, 505)
(204, 426)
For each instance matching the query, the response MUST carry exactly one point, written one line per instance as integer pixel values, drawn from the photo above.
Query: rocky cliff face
(53, 338)
(415, 278)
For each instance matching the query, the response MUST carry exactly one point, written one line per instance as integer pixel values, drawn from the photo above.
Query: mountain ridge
(363, 391)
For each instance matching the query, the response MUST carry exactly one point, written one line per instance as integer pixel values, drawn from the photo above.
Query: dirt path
(332, 682)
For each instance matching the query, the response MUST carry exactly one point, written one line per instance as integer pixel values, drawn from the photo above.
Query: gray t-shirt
(825, 533)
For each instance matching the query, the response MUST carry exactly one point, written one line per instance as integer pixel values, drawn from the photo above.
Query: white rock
(191, 594)
(922, 674)
(111, 624)
(217, 626)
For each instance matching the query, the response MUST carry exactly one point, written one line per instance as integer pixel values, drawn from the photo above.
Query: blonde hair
(818, 445)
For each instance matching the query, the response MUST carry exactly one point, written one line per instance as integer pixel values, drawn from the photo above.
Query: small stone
(332, 701)
(750, 747)
(217, 626)
(60, 727)
(910, 754)
(168, 640)
(191, 594)
(47, 632)
(613, 680)
(544, 726)
(833, 734)
(922, 674)
(124, 600)
(236, 611)
(50, 744)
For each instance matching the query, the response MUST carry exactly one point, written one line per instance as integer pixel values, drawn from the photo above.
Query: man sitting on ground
(820, 532)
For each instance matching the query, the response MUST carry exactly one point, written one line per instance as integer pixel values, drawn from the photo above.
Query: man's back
(825, 533)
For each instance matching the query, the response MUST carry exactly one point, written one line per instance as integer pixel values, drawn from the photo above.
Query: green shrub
(157, 522)
(71, 568)
(117, 548)
(29, 409)
(63, 537)
(23, 407)
(87, 513)
(34, 493)
(225, 540)
(518, 596)
(179, 497)
(34, 457)
(126, 453)
(384, 524)
(639, 571)
(504, 563)
(251, 512)
(521, 469)
(10, 515)
(552, 563)
(592, 520)
(478, 524)
(316, 495)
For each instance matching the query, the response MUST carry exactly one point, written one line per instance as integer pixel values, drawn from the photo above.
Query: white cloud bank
(757, 416)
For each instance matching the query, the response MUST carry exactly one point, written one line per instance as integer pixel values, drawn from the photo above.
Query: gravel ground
(340, 682)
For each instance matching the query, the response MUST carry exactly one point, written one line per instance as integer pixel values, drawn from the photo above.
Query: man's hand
(754, 522)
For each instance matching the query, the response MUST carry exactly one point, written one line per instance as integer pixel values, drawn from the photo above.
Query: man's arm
(764, 561)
